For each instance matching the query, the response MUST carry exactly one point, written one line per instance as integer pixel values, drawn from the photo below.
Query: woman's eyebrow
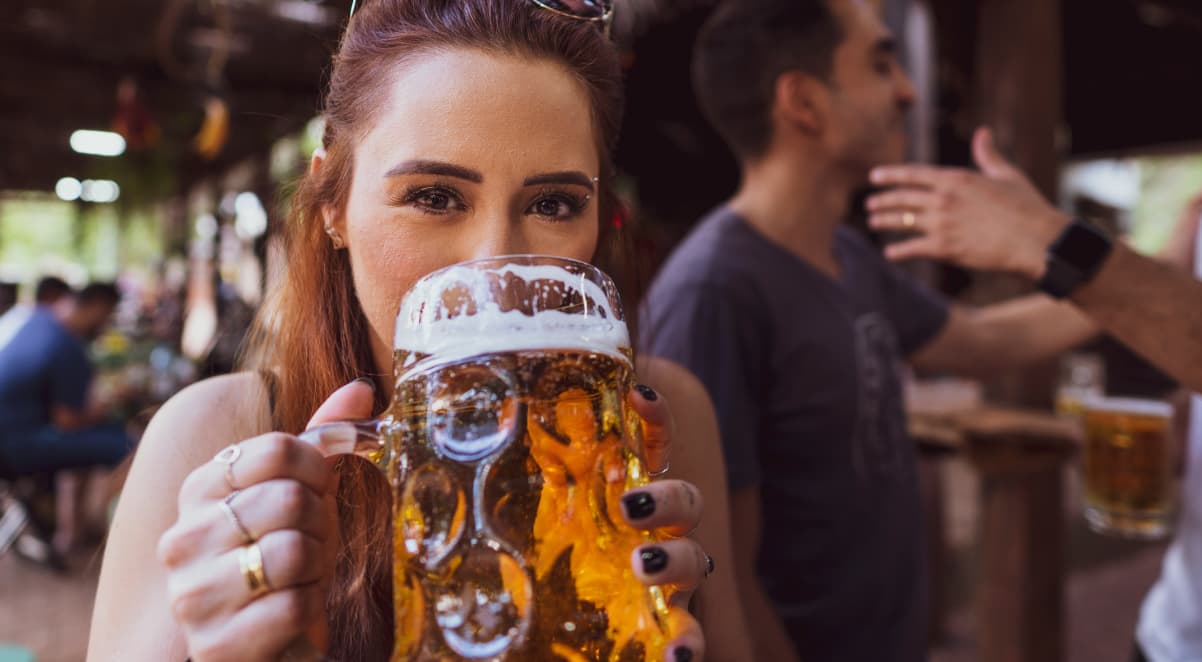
(568, 177)
(419, 167)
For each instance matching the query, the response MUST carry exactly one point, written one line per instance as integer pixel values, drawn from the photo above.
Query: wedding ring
(228, 456)
(251, 560)
(709, 566)
(228, 508)
(662, 472)
(909, 219)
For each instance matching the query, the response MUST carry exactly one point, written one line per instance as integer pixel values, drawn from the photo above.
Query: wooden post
(1020, 598)
(1020, 83)
(1019, 93)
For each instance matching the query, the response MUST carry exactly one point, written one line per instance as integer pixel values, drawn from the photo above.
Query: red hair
(312, 332)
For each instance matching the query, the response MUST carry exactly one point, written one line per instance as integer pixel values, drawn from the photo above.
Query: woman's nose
(497, 236)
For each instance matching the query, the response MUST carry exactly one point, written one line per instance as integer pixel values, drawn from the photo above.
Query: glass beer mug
(508, 444)
(1129, 482)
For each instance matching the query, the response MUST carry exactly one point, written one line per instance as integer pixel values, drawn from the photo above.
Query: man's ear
(802, 101)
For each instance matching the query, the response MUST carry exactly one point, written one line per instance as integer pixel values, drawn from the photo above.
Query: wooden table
(1020, 456)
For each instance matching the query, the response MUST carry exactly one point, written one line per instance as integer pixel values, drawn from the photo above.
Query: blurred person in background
(47, 422)
(799, 328)
(995, 219)
(52, 294)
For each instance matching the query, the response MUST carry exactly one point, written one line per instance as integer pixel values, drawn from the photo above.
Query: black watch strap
(1075, 258)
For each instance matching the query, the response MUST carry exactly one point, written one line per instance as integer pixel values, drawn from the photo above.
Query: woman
(456, 129)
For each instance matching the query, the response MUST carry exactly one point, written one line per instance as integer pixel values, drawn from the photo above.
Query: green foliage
(1167, 184)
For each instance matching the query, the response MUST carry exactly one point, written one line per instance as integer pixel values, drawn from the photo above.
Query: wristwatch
(1075, 258)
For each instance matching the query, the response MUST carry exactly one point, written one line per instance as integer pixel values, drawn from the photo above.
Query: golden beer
(516, 544)
(508, 445)
(1129, 487)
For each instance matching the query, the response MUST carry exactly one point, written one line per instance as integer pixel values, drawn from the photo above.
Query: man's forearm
(985, 341)
(1152, 307)
(1029, 329)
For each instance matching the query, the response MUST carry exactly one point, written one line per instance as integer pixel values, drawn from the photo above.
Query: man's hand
(994, 220)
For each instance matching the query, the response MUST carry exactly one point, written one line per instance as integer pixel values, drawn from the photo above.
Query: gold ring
(228, 508)
(228, 456)
(251, 560)
(909, 219)
(662, 472)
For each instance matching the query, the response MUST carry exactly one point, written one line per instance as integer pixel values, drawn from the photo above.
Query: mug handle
(362, 438)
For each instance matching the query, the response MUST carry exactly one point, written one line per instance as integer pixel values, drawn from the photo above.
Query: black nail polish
(367, 380)
(683, 655)
(654, 560)
(647, 392)
(639, 505)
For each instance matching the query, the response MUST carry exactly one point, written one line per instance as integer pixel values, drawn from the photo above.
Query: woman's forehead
(484, 111)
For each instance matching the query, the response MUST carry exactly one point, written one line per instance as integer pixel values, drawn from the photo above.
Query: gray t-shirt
(804, 372)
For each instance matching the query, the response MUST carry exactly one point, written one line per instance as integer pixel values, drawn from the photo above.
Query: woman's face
(472, 155)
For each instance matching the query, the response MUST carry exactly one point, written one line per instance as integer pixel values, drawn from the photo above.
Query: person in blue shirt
(47, 423)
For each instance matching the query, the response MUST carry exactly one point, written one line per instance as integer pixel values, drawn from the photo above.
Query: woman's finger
(688, 643)
(290, 559)
(673, 506)
(658, 425)
(261, 631)
(268, 457)
(276, 505)
(247, 515)
(679, 564)
(353, 401)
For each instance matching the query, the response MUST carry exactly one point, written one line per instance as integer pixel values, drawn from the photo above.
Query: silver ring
(228, 456)
(227, 508)
(709, 565)
(662, 472)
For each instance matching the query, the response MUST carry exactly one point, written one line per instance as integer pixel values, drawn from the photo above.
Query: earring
(335, 238)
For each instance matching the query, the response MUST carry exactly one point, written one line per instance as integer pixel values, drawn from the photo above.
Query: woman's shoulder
(213, 413)
(682, 388)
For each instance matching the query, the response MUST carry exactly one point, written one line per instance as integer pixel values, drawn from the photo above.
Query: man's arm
(996, 220)
(980, 342)
(767, 633)
(1152, 307)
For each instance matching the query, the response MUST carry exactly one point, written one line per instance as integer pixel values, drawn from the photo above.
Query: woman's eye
(435, 200)
(557, 207)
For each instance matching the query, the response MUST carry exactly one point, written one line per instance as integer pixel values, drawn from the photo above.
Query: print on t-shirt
(878, 424)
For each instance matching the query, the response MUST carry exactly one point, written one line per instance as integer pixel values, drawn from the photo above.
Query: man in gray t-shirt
(798, 328)
(804, 373)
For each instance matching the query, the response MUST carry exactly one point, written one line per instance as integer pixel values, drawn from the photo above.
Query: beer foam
(1130, 406)
(492, 330)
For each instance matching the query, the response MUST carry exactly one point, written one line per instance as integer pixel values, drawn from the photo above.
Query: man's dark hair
(51, 289)
(105, 293)
(741, 52)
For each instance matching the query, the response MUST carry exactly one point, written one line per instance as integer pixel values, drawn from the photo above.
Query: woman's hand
(672, 507)
(252, 553)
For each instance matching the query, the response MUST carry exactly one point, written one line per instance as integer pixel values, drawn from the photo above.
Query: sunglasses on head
(594, 11)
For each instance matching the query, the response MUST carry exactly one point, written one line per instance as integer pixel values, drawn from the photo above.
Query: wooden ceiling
(61, 62)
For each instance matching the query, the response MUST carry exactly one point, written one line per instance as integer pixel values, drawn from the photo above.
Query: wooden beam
(1020, 82)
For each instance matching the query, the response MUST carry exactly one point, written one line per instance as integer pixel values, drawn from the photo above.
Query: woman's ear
(333, 223)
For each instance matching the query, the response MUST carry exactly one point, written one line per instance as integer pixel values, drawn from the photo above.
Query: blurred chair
(20, 529)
